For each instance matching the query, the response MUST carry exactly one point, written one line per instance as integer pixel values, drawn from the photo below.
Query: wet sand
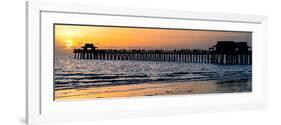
(152, 89)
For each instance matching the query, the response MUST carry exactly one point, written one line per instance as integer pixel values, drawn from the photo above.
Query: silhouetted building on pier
(224, 52)
(230, 47)
(89, 47)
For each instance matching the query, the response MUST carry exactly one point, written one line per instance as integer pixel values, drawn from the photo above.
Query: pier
(224, 52)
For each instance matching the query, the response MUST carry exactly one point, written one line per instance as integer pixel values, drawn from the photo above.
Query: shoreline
(154, 89)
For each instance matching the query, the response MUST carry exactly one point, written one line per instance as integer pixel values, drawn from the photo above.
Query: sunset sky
(68, 37)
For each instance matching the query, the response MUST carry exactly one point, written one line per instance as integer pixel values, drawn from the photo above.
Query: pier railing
(183, 55)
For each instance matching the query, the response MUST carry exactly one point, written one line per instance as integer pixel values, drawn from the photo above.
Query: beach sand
(151, 89)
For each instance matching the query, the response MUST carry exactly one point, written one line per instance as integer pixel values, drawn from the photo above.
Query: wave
(69, 80)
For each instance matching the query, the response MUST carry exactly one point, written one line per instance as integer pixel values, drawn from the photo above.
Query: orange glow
(68, 37)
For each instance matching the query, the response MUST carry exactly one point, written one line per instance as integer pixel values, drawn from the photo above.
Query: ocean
(70, 73)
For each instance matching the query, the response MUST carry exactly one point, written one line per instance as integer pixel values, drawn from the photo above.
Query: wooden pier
(222, 53)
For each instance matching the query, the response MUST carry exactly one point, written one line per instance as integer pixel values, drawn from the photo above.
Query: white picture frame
(42, 109)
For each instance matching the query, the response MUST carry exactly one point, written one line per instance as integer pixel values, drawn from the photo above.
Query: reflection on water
(72, 73)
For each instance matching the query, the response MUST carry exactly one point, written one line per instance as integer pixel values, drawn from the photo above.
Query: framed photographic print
(87, 62)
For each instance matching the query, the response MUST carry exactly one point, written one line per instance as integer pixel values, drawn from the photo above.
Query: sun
(68, 43)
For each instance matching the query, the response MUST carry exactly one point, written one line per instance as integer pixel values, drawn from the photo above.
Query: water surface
(76, 74)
